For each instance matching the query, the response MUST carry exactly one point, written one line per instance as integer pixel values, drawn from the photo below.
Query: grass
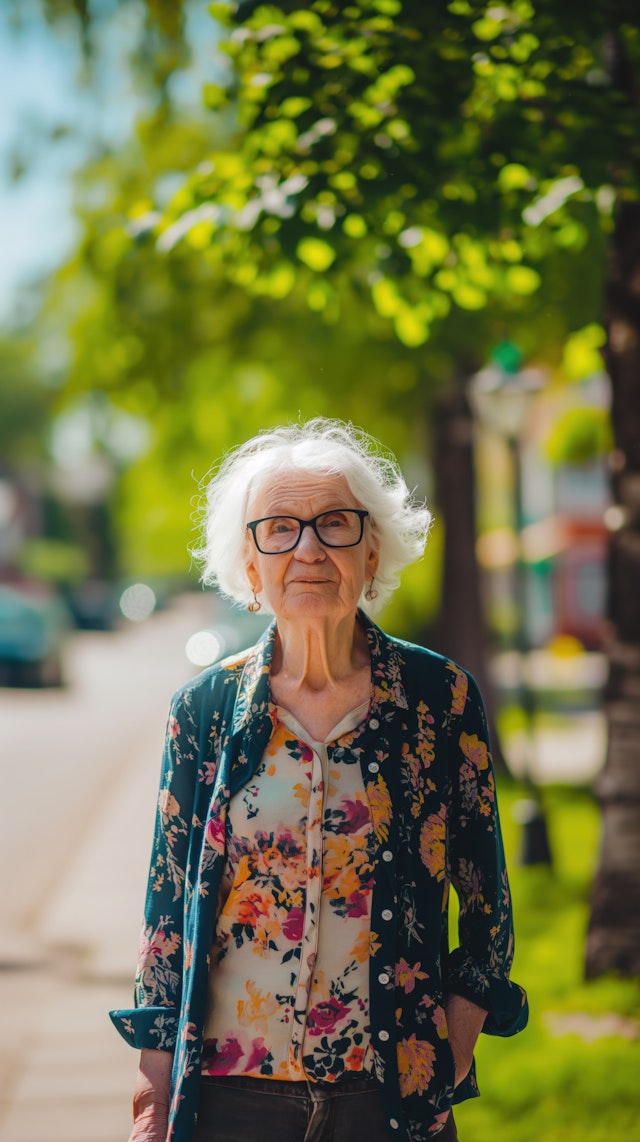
(551, 1084)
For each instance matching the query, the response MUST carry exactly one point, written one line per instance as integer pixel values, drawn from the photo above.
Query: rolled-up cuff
(505, 1002)
(147, 1028)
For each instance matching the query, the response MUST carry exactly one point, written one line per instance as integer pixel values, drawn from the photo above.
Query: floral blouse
(289, 976)
(426, 767)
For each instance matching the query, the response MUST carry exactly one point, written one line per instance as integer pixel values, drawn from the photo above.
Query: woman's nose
(309, 546)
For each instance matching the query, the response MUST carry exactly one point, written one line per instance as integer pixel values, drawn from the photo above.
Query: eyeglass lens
(335, 529)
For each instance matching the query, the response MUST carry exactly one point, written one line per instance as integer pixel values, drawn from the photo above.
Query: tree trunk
(613, 942)
(460, 631)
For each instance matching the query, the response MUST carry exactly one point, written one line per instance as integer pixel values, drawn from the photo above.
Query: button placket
(312, 908)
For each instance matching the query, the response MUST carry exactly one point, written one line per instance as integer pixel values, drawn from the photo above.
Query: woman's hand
(465, 1021)
(150, 1126)
(151, 1097)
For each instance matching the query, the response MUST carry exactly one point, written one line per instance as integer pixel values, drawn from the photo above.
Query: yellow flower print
(440, 1022)
(257, 1009)
(432, 842)
(475, 750)
(279, 736)
(380, 806)
(360, 950)
(301, 794)
(459, 688)
(267, 932)
(415, 1065)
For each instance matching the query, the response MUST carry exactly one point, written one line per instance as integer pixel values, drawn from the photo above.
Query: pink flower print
(475, 750)
(208, 772)
(323, 1018)
(459, 688)
(356, 816)
(415, 1065)
(174, 727)
(169, 807)
(358, 903)
(293, 926)
(440, 1022)
(257, 1055)
(433, 841)
(470, 886)
(406, 975)
(227, 1056)
(156, 946)
(439, 1121)
(215, 832)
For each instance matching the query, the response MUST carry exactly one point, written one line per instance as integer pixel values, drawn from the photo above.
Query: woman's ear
(252, 573)
(373, 558)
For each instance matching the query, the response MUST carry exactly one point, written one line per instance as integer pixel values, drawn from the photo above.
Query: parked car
(33, 626)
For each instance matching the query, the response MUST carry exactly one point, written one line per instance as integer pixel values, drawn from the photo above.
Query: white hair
(399, 523)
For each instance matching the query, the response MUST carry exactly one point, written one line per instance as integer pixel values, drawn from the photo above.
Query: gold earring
(371, 593)
(254, 607)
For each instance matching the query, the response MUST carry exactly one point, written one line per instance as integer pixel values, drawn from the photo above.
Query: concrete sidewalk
(65, 1074)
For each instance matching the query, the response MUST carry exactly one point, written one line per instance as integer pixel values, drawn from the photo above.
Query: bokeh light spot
(137, 602)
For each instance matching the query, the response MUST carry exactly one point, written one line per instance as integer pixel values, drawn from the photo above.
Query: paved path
(80, 770)
(78, 852)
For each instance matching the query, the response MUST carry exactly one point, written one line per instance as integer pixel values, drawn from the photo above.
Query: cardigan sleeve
(479, 968)
(153, 1021)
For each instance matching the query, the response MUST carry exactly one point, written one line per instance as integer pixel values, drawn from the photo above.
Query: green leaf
(354, 226)
(469, 296)
(386, 298)
(411, 328)
(295, 105)
(315, 254)
(581, 355)
(214, 96)
(486, 29)
(522, 280)
(514, 176)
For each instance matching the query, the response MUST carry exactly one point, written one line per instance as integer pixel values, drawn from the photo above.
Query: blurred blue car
(33, 627)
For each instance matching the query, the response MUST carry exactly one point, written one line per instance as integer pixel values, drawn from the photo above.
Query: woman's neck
(319, 656)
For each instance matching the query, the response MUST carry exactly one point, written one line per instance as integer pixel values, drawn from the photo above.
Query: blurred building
(556, 537)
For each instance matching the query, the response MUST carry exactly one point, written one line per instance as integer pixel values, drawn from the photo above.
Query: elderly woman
(319, 794)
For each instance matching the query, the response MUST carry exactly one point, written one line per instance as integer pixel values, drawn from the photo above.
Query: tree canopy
(433, 156)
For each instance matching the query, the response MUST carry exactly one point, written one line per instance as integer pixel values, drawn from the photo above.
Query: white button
(387, 914)
(374, 723)
(393, 1123)
(387, 855)
(384, 1035)
(373, 767)
(383, 977)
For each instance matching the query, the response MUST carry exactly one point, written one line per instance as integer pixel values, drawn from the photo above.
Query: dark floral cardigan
(432, 798)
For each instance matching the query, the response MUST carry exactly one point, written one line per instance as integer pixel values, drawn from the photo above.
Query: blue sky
(41, 89)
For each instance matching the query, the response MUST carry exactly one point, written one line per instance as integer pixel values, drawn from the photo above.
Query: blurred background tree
(387, 188)
(436, 159)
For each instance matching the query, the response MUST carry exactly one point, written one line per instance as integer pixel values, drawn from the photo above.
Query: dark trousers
(241, 1109)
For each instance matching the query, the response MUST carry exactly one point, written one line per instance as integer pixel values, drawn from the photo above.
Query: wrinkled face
(312, 581)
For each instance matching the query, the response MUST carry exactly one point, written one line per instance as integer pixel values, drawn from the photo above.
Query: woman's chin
(313, 604)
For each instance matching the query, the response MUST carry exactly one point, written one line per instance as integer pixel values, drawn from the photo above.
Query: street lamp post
(500, 396)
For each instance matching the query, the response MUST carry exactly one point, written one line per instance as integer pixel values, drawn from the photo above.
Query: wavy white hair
(398, 522)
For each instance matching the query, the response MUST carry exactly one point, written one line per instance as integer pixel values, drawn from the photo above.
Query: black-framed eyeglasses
(275, 534)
